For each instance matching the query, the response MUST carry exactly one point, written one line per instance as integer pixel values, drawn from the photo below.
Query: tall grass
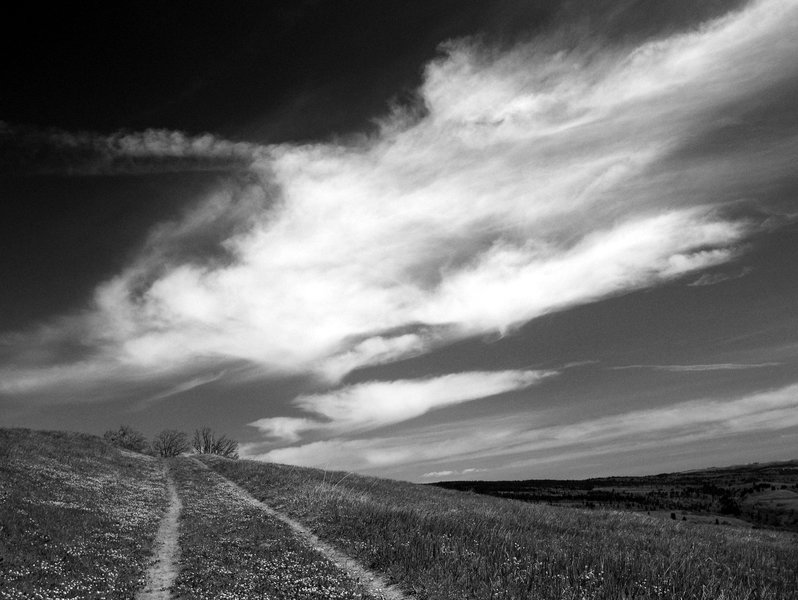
(77, 516)
(451, 545)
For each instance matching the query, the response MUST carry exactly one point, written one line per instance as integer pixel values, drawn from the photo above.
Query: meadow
(443, 544)
(77, 516)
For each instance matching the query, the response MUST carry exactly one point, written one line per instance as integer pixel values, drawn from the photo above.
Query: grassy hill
(444, 544)
(233, 550)
(79, 517)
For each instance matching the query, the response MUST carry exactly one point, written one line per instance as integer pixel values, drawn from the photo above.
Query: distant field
(756, 495)
(77, 516)
(443, 544)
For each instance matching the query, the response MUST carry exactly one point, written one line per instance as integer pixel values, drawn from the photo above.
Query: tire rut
(163, 571)
(372, 581)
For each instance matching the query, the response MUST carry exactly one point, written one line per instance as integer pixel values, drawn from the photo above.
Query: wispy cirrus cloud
(438, 474)
(374, 404)
(30, 150)
(181, 388)
(716, 278)
(516, 440)
(701, 368)
(533, 179)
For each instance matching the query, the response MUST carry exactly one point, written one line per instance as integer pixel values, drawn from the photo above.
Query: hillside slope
(77, 516)
(443, 544)
(231, 548)
(79, 519)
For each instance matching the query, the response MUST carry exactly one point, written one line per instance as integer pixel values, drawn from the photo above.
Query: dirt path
(373, 582)
(163, 571)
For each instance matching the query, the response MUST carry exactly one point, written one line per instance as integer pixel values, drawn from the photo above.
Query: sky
(425, 240)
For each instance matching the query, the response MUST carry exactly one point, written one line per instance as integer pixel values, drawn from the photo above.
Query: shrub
(205, 441)
(127, 437)
(170, 442)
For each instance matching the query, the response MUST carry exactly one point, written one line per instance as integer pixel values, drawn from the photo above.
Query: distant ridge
(762, 495)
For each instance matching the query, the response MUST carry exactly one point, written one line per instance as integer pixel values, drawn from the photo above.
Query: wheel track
(372, 581)
(163, 571)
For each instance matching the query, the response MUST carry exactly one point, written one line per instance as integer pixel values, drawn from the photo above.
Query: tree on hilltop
(205, 441)
(170, 442)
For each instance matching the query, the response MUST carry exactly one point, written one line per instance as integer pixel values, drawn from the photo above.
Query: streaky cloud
(438, 474)
(701, 368)
(42, 151)
(374, 404)
(716, 278)
(515, 440)
(181, 388)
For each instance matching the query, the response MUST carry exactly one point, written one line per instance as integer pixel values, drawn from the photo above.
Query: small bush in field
(126, 437)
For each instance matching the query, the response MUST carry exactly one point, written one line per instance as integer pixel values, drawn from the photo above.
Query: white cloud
(537, 179)
(716, 278)
(24, 380)
(434, 474)
(182, 387)
(375, 404)
(88, 153)
(286, 429)
(701, 368)
(517, 439)
(439, 474)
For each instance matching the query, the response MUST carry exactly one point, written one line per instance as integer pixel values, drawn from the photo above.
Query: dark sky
(424, 239)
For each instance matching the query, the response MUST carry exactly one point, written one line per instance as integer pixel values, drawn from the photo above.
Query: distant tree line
(171, 442)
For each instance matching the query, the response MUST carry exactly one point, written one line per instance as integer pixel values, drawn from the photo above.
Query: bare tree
(126, 437)
(170, 442)
(205, 441)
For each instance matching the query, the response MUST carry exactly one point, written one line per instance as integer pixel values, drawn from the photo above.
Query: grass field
(443, 544)
(77, 516)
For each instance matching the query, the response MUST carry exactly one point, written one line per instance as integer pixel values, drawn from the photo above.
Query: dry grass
(232, 550)
(77, 516)
(452, 545)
